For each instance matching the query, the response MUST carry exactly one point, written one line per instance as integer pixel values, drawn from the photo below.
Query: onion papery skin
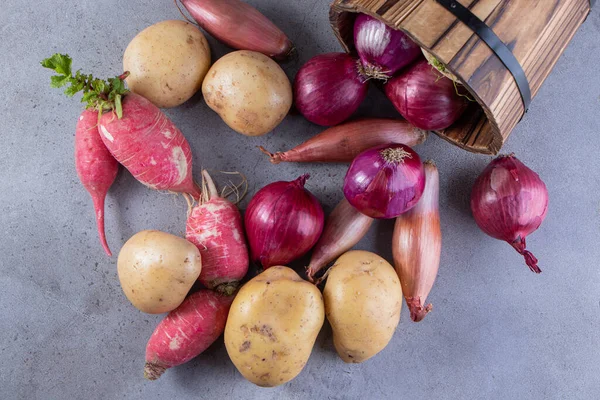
(283, 222)
(241, 26)
(425, 98)
(329, 88)
(509, 201)
(417, 246)
(383, 51)
(385, 181)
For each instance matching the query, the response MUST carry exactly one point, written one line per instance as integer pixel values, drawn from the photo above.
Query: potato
(167, 62)
(157, 270)
(363, 298)
(272, 326)
(249, 91)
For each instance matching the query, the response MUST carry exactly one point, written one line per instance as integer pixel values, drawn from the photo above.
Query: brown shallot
(344, 142)
(241, 26)
(344, 227)
(417, 245)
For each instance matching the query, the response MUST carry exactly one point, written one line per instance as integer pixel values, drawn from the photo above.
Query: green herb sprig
(98, 94)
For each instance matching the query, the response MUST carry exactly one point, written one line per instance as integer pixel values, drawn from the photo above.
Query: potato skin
(167, 62)
(157, 270)
(249, 91)
(272, 326)
(363, 299)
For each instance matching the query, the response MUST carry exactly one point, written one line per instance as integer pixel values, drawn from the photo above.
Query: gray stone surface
(497, 331)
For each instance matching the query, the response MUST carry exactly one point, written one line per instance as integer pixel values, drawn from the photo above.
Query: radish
(186, 332)
(215, 227)
(96, 167)
(135, 131)
(150, 146)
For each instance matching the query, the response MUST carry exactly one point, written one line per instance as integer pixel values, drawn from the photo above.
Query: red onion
(383, 51)
(385, 181)
(329, 88)
(509, 201)
(425, 98)
(283, 222)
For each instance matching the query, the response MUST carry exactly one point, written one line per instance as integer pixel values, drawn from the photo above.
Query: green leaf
(75, 87)
(58, 81)
(98, 85)
(61, 63)
(118, 106)
(90, 98)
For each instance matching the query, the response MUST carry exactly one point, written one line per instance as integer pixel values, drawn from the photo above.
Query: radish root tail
(153, 371)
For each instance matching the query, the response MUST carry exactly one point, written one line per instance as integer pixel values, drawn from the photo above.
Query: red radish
(150, 146)
(215, 227)
(135, 131)
(344, 142)
(186, 332)
(96, 167)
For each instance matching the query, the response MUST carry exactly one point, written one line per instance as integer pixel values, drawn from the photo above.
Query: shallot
(417, 246)
(344, 227)
(344, 142)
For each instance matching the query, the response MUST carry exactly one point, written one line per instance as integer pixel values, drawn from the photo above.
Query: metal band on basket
(495, 44)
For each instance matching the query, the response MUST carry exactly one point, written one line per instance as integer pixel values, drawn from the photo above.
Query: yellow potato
(272, 326)
(157, 270)
(363, 298)
(167, 62)
(249, 91)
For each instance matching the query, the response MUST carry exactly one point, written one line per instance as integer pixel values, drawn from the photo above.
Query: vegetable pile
(271, 320)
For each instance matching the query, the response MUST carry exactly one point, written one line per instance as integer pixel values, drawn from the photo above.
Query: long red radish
(417, 246)
(215, 227)
(344, 142)
(96, 167)
(344, 227)
(186, 332)
(150, 146)
(135, 131)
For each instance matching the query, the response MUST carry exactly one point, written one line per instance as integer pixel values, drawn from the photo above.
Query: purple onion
(329, 88)
(509, 202)
(425, 98)
(383, 51)
(283, 222)
(385, 181)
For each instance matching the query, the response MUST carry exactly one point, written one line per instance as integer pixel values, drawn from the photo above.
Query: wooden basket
(536, 31)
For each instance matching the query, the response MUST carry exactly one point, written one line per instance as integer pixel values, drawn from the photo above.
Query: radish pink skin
(150, 146)
(186, 331)
(96, 167)
(216, 229)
